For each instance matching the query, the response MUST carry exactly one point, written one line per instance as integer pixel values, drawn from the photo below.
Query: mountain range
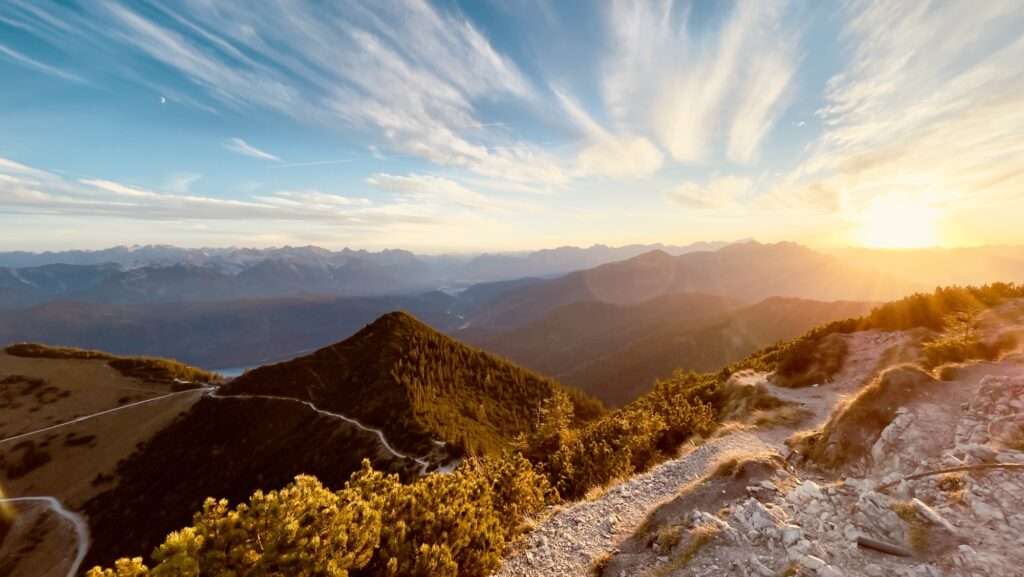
(147, 274)
(531, 283)
(747, 272)
(194, 312)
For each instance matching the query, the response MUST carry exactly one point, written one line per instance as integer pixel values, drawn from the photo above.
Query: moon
(163, 100)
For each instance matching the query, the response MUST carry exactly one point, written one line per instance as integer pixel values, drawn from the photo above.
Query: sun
(898, 222)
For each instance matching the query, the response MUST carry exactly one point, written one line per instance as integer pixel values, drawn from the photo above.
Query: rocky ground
(766, 513)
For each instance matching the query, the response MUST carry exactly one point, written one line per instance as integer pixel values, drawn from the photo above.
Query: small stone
(791, 534)
(810, 562)
(984, 511)
(760, 568)
(829, 571)
(981, 453)
(804, 492)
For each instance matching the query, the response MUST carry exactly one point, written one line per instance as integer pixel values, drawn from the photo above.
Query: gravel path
(568, 542)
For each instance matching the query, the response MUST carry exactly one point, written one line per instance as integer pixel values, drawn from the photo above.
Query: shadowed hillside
(418, 386)
(623, 375)
(228, 448)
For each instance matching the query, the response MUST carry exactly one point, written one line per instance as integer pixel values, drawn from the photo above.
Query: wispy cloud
(406, 70)
(244, 148)
(437, 191)
(19, 58)
(314, 163)
(718, 193)
(31, 191)
(182, 183)
(683, 88)
(930, 105)
(607, 154)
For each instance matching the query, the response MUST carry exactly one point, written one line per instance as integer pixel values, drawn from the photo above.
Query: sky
(460, 126)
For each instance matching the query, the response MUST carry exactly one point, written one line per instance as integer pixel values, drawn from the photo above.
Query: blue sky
(476, 125)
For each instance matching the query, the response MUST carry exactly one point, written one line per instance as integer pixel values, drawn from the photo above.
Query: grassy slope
(146, 368)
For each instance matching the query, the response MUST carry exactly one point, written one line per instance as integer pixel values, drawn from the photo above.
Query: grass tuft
(856, 424)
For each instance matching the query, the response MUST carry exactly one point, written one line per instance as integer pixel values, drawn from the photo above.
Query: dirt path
(101, 413)
(76, 521)
(423, 463)
(568, 542)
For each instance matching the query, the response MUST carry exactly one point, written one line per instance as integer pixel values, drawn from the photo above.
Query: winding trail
(77, 522)
(81, 526)
(423, 463)
(213, 392)
(100, 414)
(569, 541)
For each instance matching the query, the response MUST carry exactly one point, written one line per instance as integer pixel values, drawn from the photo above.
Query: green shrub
(303, 530)
(634, 437)
(440, 525)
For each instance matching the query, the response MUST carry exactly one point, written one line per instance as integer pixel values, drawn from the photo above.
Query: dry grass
(668, 537)
(734, 464)
(731, 427)
(950, 371)
(598, 565)
(953, 487)
(90, 450)
(738, 401)
(785, 416)
(855, 424)
(920, 532)
(751, 404)
(696, 539)
(813, 361)
(595, 493)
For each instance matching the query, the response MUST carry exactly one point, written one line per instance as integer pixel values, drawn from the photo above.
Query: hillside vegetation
(151, 369)
(624, 374)
(814, 357)
(418, 385)
(227, 447)
(567, 456)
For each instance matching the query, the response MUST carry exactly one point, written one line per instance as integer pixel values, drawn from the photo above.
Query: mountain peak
(653, 256)
(417, 385)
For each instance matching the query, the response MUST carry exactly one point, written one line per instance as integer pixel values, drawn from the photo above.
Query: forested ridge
(418, 385)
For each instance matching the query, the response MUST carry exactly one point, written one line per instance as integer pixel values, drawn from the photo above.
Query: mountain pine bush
(438, 526)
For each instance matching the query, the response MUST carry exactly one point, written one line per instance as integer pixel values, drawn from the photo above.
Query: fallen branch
(962, 468)
(883, 547)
